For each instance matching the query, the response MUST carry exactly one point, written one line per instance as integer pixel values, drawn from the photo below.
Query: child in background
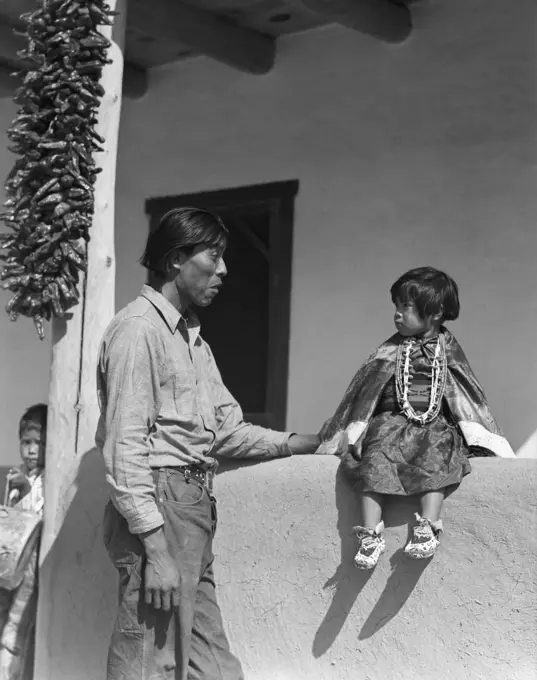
(25, 490)
(412, 416)
(26, 483)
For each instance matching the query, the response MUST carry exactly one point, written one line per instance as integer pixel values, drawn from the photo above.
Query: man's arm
(129, 383)
(237, 439)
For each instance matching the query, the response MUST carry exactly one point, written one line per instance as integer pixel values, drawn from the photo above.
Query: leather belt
(202, 474)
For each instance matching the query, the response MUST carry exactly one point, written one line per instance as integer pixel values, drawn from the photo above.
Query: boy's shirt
(35, 498)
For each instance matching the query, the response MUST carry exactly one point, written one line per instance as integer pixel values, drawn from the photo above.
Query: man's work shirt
(161, 396)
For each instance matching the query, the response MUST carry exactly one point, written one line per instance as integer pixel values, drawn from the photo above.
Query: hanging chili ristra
(50, 190)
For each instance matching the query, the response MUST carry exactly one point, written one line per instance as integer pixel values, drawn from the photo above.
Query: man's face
(32, 447)
(201, 274)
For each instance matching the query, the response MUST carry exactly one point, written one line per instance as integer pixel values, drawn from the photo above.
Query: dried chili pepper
(64, 288)
(50, 200)
(8, 243)
(84, 184)
(57, 146)
(67, 273)
(71, 254)
(15, 270)
(45, 189)
(66, 181)
(14, 300)
(54, 293)
(38, 321)
(62, 209)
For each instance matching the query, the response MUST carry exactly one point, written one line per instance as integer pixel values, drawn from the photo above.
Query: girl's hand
(18, 480)
(355, 452)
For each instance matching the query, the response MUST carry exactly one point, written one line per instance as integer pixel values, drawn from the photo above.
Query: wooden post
(75, 581)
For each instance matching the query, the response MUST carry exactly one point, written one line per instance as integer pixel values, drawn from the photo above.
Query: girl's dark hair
(182, 228)
(35, 415)
(430, 290)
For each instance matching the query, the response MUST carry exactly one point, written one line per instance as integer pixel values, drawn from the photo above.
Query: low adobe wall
(295, 607)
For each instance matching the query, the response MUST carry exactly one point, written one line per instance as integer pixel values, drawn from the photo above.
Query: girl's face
(408, 321)
(32, 447)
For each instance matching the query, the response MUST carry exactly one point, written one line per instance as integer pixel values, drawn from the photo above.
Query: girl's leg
(431, 505)
(372, 505)
(425, 541)
(371, 541)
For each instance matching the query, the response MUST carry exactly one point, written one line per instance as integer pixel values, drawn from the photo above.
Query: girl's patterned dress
(404, 458)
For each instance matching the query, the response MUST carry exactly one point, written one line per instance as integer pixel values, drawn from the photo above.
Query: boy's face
(408, 321)
(32, 447)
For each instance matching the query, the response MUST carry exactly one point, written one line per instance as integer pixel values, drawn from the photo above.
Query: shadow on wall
(230, 464)
(348, 581)
(82, 584)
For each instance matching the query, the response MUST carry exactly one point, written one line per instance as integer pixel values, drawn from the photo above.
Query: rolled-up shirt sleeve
(236, 438)
(129, 393)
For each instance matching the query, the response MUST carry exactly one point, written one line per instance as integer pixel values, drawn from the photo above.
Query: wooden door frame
(280, 198)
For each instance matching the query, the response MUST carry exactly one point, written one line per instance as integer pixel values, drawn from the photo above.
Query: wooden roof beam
(135, 79)
(205, 33)
(382, 19)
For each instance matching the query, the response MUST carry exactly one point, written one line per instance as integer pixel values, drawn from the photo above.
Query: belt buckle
(197, 475)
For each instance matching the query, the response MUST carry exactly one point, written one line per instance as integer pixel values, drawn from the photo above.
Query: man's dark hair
(182, 228)
(430, 290)
(35, 415)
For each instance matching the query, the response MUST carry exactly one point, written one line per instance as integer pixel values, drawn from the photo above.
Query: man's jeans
(189, 642)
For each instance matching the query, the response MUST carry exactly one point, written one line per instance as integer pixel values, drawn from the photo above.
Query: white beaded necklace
(403, 381)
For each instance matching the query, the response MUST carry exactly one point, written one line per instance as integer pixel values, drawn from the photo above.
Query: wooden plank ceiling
(240, 33)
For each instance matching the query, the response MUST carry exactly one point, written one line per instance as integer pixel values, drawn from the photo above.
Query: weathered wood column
(76, 582)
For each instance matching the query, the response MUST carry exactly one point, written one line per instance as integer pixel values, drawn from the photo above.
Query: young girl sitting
(412, 416)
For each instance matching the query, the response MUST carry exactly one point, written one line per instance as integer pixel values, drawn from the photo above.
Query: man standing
(164, 410)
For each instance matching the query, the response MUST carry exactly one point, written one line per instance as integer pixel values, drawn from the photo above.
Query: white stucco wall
(422, 153)
(418, 154)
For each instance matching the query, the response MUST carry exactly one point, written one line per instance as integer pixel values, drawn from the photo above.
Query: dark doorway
(247, 326)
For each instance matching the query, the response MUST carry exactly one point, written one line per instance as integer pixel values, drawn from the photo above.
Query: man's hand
(18, 480)
(303, 443)
(161, 575)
